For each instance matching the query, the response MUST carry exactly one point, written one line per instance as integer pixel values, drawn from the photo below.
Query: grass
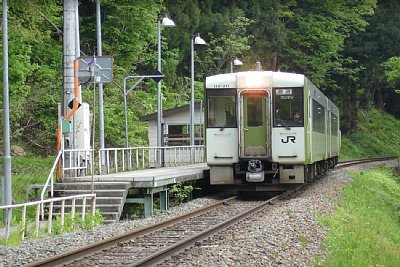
(34, 170)
(27, 170)
(303, 240)
(71, 224)
(377, 135)
(365, 229)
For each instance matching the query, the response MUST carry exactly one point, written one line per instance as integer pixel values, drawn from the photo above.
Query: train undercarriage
(263, 175)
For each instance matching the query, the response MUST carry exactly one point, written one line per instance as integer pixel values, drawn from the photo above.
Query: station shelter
(175, 126)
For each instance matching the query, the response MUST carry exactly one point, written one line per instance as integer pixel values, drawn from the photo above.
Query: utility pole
(68, 57)
(70, 51)
(77, 40)
(101, 107)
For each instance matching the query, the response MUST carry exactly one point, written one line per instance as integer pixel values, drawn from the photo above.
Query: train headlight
(254, 80)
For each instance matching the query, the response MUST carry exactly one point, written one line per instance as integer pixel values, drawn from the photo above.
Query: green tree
(222, 49)
(370, 49)
(392, 72)
(35, 72)
(323, 39)
(129, 34)
(269, 30)
(317, 31)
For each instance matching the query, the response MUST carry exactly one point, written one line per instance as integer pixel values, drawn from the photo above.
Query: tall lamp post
(166, 22)
(195, 41)
(6, 179)
(235, 62)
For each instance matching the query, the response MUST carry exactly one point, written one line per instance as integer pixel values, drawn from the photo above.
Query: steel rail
(346, 163)
(70, 256)
(170, 251)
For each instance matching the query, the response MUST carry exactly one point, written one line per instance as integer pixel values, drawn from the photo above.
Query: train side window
(318, 117)
(221, 109)
(288, 107)
(335, 124)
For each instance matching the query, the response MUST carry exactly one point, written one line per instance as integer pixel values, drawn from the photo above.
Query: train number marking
(290, 138)
(221, 86)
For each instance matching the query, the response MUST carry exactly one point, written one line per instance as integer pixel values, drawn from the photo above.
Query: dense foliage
(348, 48)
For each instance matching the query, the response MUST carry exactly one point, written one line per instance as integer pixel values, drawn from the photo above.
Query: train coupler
(255, 171)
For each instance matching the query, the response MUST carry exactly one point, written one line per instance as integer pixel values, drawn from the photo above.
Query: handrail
(152, 147)
(40, 204)
(132, 158)
(54, 199)
(50, 177)
(123, 159)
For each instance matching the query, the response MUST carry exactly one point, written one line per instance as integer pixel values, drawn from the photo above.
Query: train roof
(255, 79)
(265, 79)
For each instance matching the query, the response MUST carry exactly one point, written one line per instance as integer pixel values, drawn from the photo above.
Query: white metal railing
(50, 178)
(113, 160)
(40, 204)
(50, 181)
(77, 161)
(125, 159)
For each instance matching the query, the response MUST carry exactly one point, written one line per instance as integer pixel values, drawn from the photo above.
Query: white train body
(266, 130)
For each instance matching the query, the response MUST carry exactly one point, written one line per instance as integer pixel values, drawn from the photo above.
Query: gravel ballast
(286, 234)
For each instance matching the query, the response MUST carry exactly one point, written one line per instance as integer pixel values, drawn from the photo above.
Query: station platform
(112, 189)
(153, 177)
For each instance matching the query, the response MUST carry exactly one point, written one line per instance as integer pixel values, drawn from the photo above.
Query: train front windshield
(221, 108)
(288, 107)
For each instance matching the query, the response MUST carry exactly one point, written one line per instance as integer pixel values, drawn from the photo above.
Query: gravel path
(285, 234)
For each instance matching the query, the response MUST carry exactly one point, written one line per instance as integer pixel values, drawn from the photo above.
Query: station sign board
(97, 69)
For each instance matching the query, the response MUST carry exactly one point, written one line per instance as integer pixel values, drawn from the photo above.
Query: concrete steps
(110, 197)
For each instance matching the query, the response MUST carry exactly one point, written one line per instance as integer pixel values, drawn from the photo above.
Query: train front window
(221, 109)
(288, 107)
(254, 111)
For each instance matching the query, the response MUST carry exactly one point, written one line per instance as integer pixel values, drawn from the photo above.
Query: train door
(254, 125)
(329, 133)
(309, 126)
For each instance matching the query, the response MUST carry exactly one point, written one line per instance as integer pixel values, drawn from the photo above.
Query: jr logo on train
(289, 138)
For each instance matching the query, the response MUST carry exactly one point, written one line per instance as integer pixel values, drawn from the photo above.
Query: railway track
(346, 163)
(155, 244)
(152, 245)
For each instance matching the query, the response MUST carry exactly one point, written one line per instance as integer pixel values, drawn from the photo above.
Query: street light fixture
(166, 22)
(235, 62)
(195, 41)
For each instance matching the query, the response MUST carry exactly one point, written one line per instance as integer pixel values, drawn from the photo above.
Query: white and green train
(268, 131)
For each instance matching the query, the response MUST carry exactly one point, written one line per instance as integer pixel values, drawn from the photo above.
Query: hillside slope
(378, 134)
